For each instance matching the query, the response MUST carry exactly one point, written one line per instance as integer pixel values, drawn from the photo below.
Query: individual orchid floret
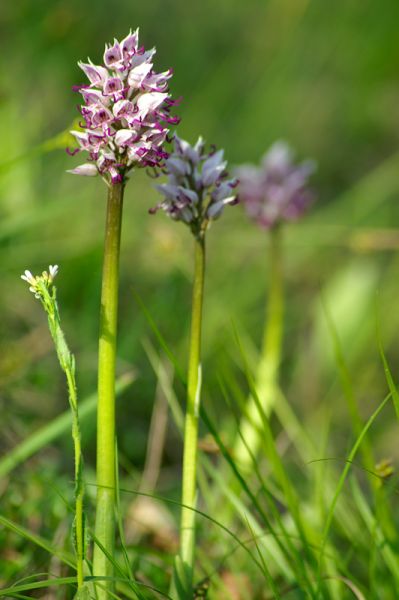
(278, 190)
(125, 112)
(198, 186)
(41, 285)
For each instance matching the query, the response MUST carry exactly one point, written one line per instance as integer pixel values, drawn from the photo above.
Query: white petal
(150, 101)
(27, 276)
(123, 136)
(53, 270)
(139, 59)
(215, 210)
(138, 74)
(94, 73)
(87, 169)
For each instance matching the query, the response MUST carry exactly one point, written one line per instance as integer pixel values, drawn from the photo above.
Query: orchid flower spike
(198, 187)
(278, 190)
(125, 107)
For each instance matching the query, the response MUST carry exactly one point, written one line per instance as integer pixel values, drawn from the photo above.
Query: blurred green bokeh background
(322, 75)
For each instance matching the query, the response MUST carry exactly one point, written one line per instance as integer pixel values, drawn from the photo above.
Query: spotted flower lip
(126, 111)
(277, 190)
(198, 187)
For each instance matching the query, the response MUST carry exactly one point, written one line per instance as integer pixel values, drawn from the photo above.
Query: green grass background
(322, 75)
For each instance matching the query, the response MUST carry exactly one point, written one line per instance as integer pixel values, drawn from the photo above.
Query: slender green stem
(67, 362)
(79, 515)
(184, 566)
(105, 506)
(268, 368)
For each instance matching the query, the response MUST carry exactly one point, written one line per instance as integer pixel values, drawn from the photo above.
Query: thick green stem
(105, 506)
(268, 368)
(183, 575)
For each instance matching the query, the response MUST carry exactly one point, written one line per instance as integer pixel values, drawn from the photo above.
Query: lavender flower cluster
(277, 190)
(125, 108)
(198, 187)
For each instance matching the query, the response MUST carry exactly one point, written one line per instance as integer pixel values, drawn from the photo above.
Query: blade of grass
(347, 386)
(301, 574)
(291, 497)
(265, 489)
(199, 512)
(38, 585)
(266, 571)
(388, 375)
(342, 479)
(165, 382)
(381, 545)
(65, 557)
(129, 572)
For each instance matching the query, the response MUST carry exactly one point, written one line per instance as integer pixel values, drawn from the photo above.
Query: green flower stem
(67, 362)
(268, 368)
(105, 506)
(184, 566)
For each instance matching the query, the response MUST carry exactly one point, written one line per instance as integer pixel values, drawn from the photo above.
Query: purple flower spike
(126, 106)
(198, 188)
(278, 190)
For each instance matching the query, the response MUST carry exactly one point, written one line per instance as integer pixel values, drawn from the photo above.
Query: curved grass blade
(65, 557)
(351, 456)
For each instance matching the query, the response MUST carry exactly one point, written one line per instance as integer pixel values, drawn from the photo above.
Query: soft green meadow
(315, 513)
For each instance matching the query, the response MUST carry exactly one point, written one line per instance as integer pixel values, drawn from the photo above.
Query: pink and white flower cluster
(198, 187)
(126, 105)
(277, 190)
